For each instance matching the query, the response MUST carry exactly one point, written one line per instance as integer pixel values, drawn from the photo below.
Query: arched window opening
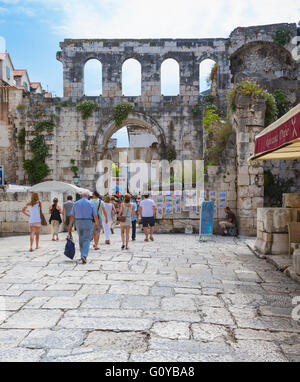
(208, 76)
(93, 78)
(170, 83)
(131, 78)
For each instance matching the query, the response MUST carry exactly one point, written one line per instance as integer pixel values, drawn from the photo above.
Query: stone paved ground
(172, 300)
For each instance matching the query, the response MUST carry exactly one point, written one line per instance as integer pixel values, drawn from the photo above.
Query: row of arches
(132, 77)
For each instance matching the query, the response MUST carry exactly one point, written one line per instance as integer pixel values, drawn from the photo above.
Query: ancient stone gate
(248, 52)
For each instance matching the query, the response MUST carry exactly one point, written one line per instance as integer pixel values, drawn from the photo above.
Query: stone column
(189, 76)
(73, 79)
(151, 88)
(112, 76)
(248, 121)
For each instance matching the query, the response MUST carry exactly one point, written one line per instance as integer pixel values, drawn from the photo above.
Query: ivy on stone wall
(274, 187)
(220, 135)
(36, 168)
(74, 168)
(208, 100)
(21, 107)
(121, 112)
(255, 91)
(21, 137)
(171, 154)
(86, 108)
(219, 130)
(282, 37)
(282, 102)
(47, 126)
(210, 118)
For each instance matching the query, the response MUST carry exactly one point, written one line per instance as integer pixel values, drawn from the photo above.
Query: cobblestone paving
(172, 300)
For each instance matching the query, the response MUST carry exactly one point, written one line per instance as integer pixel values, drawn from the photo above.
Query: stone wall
(272, 229)
(11, 218)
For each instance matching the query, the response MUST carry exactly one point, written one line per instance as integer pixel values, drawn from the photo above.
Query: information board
(207, 218)
(1, 175)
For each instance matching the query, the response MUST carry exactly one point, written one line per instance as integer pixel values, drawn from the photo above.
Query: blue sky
(32, 29)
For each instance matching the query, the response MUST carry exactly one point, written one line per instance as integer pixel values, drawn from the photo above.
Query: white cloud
(164, 18)
(3, 11)
(27, 11)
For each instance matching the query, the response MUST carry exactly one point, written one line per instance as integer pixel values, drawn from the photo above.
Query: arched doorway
(139, 140)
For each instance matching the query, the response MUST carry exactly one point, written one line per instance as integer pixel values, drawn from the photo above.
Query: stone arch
(96, 67)
(262, 60)
(134, 119)
(131, 86)
(215, 79)
(165, 84)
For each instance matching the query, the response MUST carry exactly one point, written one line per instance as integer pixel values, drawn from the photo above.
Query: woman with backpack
(55, 219)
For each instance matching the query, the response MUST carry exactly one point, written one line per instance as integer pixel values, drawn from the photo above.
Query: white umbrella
(55, 186)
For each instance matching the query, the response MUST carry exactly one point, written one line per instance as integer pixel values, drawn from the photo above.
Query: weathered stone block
(290, 200)
(262, 246)
(243, 179)
(280, 244)
(296, 261)
(276, 219)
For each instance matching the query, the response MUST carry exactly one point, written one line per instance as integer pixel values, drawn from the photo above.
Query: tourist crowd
(90, 215)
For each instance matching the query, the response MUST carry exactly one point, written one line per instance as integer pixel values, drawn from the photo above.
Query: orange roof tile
(35, 85)
(19, 72)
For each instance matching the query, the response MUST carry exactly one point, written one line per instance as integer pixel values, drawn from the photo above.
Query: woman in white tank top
(34, 207)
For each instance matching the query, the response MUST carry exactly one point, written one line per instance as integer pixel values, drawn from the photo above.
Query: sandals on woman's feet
(123, 246)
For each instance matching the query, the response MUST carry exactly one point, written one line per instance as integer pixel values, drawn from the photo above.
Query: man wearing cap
(83, 212)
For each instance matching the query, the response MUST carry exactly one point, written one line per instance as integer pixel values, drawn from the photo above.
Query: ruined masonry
(247, 53)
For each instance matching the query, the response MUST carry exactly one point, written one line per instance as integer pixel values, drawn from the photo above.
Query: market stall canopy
(60, 187)
(17, 188)
(281, 140)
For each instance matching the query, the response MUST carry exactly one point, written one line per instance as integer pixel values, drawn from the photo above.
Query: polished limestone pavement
(174, 299)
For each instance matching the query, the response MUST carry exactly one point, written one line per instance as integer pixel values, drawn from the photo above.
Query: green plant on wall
(282, 37)
(210, 118)
(274, 187)
(21, 107)
(171, 154)
(282, 102)
(208, 100)
(73, 168)
(220, 135)
(42, 126)
(255, 91)
(213, 74)
(86, 108)
(36, 168)
(271, 109)
(121, 112)
(21, 137)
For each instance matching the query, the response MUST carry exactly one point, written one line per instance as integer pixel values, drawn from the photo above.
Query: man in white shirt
(147, 212)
